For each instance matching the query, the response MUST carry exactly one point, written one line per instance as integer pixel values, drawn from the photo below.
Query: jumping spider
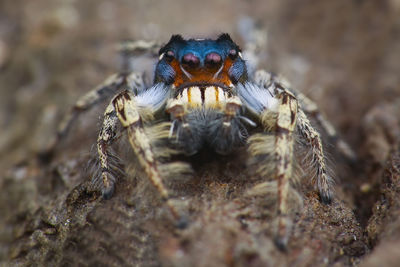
(206, 97)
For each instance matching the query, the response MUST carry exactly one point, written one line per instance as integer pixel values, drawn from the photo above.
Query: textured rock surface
(69, 226)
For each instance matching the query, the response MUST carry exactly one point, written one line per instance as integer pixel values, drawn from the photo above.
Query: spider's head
(200, 62)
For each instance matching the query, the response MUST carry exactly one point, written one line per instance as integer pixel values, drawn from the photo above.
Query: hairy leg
(129, 48)
(322, 181)
(105, 139)
(311, 109)
(284, 143)
(280, 113)
(88, 100)
(110, 86)
(269, 80)
(128, 114)
(290, 116)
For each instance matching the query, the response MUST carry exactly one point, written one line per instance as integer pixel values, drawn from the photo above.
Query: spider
(205, 96)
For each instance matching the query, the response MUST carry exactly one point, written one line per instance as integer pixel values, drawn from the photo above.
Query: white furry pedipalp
(256, 98)
(153, 97)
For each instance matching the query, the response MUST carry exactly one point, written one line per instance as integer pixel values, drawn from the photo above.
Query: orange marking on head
(216, 94)
(202, 74)
(224, 75)
(178, 73)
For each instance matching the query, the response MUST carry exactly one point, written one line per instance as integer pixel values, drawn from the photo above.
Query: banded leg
(106, 89)
(271, 81)
(128, 113)
(110, 86)
(106, 136)
(127, 48)
(284, 142)
(311, 108)
(88, 100)
(322, 181)
(282, 117)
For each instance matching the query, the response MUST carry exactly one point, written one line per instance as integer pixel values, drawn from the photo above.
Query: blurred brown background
(344, 54)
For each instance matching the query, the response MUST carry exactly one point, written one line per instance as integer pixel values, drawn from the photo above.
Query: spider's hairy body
(204, 98)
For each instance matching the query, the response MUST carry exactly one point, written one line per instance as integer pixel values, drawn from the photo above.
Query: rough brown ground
(343, 54)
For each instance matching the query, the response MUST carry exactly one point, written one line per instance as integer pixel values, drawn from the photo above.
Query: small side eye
(233, 54)
(169, 55)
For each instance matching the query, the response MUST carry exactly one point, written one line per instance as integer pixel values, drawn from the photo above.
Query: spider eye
(233, 54)
(169, 55)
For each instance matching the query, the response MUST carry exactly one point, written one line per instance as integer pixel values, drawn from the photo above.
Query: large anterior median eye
(213, 59)
(190, 60)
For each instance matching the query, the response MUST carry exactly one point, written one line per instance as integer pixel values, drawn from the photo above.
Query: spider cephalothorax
(203, 93)
(183, 63)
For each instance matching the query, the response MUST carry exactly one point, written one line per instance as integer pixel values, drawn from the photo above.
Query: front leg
(280, 114)
(265, 79)
(109, 170)
(129, 116)
(322, 181)
(110, 86)
(285, 126)
(260, 97)
(273, 154)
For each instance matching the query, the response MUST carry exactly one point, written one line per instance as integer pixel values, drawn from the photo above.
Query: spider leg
(323, 182)
(311, 108)
(88, 100)
(110, 86)
(268, 80)
(277, 111)
(284, 142)
(280, 112)
(104, 141)
(128, 48)
(290, 115)
(128, 114)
